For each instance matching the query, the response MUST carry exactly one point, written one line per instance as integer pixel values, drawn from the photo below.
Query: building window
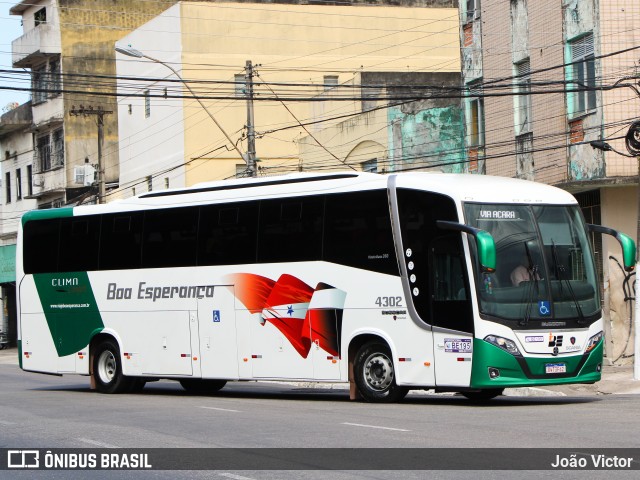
(241, 170)
(473, 10)
(29, 180)
(18, 184)
(39, 83)
(55, 78)
(147, 104)
(43, 150)
(475, 122)
(370, 95)
(7, 186)
(50, 150)
(330, 81)
(40, 16)
(370, 166)
(583, 74)
(149, 183)
(57, 155)
(523, 114)
(524, 156)
(239, 85)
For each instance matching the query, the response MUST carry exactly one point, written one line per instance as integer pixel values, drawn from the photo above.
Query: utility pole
(251, 134)
(99, 113)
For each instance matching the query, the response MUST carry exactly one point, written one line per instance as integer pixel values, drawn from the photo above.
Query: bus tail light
(593, 341)
(503, 343)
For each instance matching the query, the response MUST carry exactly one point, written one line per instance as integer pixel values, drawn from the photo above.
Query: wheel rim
(378, 371)
(107, 366)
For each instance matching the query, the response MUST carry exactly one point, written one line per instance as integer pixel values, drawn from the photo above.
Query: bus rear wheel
(202, 387)
(107, 369)
(483, 395)
(375, 374)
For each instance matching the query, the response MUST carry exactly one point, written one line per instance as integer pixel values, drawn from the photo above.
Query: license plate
(555, 368)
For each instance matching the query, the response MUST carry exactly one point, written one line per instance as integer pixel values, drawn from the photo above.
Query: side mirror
(626, 242)
(484, 243)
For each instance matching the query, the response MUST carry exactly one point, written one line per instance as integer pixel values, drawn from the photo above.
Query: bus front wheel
(107, 369)
(375, 374)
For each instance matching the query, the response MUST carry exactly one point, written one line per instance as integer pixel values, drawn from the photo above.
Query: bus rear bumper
(495, 368)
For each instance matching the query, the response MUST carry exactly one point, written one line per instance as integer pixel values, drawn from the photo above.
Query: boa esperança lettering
(153, 293)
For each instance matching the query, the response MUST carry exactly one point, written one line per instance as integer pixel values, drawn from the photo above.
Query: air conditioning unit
(85, 175)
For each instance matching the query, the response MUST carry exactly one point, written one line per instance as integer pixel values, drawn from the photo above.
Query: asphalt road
(40, 411)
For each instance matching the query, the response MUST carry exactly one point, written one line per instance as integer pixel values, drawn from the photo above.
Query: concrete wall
(619, 211)
(542, 43)
(154, 143)
(19, 145)
(89, 31)
(619, 29)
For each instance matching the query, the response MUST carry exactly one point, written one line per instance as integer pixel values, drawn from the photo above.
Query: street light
(132, 52)
(605, 147)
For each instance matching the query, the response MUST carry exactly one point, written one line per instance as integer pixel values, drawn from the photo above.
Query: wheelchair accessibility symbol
(544, 308)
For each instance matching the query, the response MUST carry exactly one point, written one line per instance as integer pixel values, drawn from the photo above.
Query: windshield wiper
(533, 285)
(560, 273)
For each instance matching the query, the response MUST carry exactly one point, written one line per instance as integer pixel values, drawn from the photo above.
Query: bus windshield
(545, 274)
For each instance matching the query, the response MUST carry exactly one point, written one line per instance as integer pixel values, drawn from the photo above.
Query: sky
(10, 29)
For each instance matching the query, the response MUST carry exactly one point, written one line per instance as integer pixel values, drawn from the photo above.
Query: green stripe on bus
(70, 309)
(486, 355)
(47, 213)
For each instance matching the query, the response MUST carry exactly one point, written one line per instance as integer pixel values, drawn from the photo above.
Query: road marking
(221, 409)
(234, 477)
(375, 426)
(97, 443)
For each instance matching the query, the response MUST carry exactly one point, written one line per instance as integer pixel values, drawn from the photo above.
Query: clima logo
(23, 459)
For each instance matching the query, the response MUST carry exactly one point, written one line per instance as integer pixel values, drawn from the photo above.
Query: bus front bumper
(531, 371)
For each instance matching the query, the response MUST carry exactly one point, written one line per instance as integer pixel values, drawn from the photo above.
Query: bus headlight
(503, 343)
(593, 341)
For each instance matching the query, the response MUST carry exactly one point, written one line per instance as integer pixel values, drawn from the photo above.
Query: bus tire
(107, 369)
(375, 374)
(483, 395)
(202, 387)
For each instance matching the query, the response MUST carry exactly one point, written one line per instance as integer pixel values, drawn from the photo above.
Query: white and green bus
(459, 283)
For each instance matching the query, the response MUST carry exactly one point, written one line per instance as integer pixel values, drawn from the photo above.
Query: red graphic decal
(304, 315)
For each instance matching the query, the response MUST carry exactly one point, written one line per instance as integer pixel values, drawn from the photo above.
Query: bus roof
(460, 187)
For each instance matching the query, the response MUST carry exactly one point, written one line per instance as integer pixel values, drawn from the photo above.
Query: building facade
(313, 67)
(50, 150)
(16, 165)
(539, 80)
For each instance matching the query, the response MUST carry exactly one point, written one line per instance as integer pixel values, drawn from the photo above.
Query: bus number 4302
(389, 302)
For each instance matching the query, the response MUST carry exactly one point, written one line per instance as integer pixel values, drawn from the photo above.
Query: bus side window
(170, 237)
(121, 241)
(357, 232)
(228, 234)
(40, 246)
(80, 240)
(290, 229)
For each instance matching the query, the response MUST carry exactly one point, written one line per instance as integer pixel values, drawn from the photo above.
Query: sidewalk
(615, 380)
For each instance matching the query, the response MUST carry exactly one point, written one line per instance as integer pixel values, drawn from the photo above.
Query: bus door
(451, 312)
(217, 335)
